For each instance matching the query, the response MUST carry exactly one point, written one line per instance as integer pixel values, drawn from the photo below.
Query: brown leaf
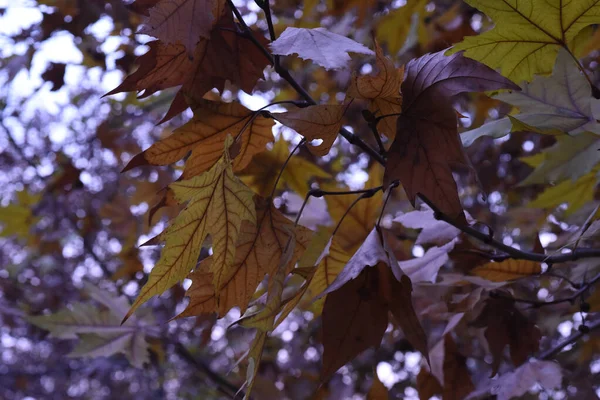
(399, 298)
(322, 121)
(205, 135)
(382, 91)
(427, 145)
(457, 380)
(225, 56)
(354, 319)
(182, 21)
(427, 384)
(507, 270)
(378, 391)
(505, 325)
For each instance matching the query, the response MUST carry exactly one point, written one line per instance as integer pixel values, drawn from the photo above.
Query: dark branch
(508, 250)
(551, 352)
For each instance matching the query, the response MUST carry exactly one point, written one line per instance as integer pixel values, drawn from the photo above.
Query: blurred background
(72, 222)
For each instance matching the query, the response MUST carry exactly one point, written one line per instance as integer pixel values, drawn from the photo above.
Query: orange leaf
(382, 91)
(205, 135)
(508, 270)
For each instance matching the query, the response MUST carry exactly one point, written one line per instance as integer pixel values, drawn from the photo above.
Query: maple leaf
(378, 391)
(361, 218)
(297, 174)
(556, 104)
(183, 21)
(382, 91)
(575, 193)
(432, 230)
(259, 250)
(427, 143)
(515, 384)
(570, 158)
(325, 48)
(17, 219)
(507, 270)
(225, 56)
(369, 254)
(528, 34)
(322, 121)
(505, 325)
(457, 380)
(425, 268)
(204, 136)
(427, 384)
(394, 28)
(99, 331)
(217, 204)
(354, 318)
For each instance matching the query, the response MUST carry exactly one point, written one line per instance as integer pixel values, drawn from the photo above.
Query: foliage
(318, 199)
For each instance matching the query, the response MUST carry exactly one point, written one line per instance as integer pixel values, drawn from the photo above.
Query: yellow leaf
(378, 391)
(359, 221)
(382, 91)
(575, 194)
(262, 172)
(326, 272)
(260, 248)
(528, 34)
(217, 204)
(205, 135)
(17, 219)
(322, 121)
(394, 28)
(254, 357)
(507, 270)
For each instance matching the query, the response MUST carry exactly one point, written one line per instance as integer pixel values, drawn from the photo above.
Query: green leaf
(528, 34)
(560, 103)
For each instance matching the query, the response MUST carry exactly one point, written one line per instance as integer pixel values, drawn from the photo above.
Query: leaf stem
(287, 160)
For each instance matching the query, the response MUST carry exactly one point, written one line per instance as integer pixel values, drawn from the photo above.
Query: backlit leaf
(507, 270)
(321, 121)
(204, 136)
(217, 204)
(382, 91)
(528, 34)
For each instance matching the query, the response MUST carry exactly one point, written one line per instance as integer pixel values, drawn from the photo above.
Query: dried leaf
(315, 122)
(457, 380)
(382, 91)
(378, 391)
(508, 270)
(204, 136)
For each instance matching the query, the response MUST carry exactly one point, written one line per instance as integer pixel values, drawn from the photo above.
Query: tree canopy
(321, 199)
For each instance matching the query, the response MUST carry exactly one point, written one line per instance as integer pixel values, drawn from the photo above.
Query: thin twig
(511, 251)
(285, 74)
(570, 340)
(223, 385)
(570, 299)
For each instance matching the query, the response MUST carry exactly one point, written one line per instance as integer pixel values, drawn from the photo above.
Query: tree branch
(570, 340)
(571, 299)
(285, 74)
(508, 250)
